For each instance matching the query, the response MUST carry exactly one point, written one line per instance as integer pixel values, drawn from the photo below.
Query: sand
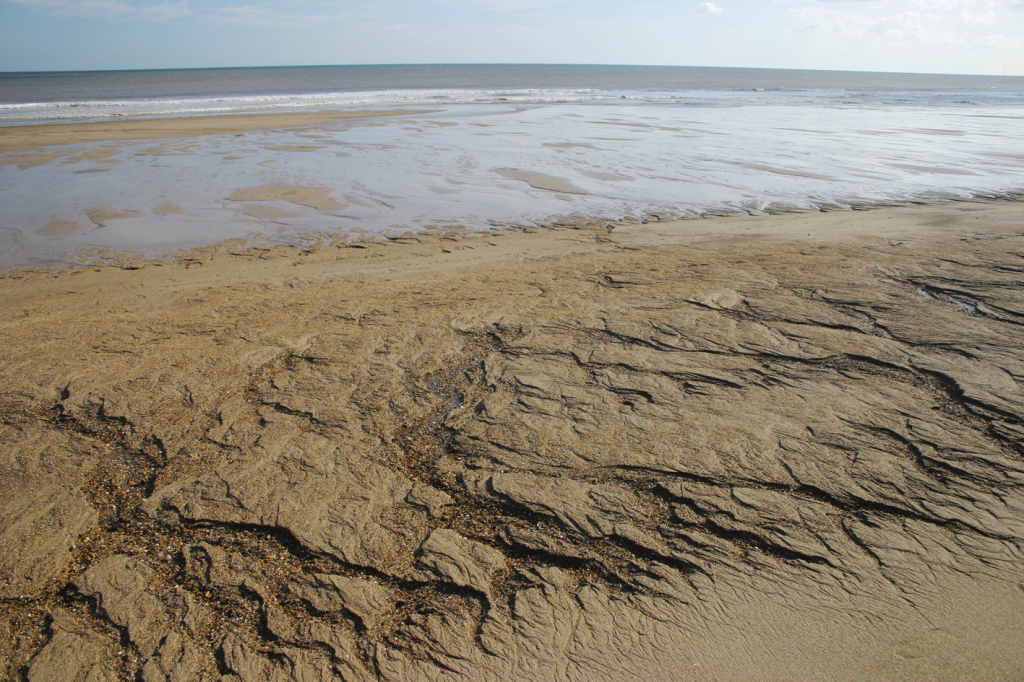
(536, 180)
(167, 208)
(59, 228)
(318, 198)
(32, 138)
(101, 215)
(266, 212)
(773, 448)
(294, 148)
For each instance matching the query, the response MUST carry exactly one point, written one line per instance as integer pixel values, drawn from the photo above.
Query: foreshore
(148, 186)
(757, 447)
(34, 137)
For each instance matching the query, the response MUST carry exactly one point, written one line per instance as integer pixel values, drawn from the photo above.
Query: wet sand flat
(472, 168)
(318, 198)
(774, 448)
(541, 181)
(28, 138)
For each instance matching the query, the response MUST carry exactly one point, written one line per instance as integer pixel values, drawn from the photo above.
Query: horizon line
(414, 64)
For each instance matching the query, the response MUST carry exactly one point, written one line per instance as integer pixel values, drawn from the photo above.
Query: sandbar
(550, 183)
(59, 228)
(294, 148)
(313, 197)
(100, 215)
(33, 137)
(167, 208)
(266, 212)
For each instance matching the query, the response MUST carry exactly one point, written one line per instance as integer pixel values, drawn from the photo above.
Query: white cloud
(166, 11)
(998, 41)
(506, 6)
(260, 15)
(711, 8)
(987, 18)
(104, 9)
(952, 4)
(93, 8)
(894, 29)
(111, 9)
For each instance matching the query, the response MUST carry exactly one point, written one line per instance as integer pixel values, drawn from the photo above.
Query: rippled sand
(747, 448)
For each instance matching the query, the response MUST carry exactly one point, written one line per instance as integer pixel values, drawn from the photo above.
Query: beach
(163, 173)
(33, 138)
(714, 386)
(758, 447)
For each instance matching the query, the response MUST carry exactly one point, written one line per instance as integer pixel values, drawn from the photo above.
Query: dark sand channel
(771, 448)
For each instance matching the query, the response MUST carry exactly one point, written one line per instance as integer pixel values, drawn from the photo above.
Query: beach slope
(750, 448)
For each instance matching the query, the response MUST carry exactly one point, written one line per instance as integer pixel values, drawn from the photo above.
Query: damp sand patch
(59, 228)
(318, 198)
(103, 214)
(32, 137)
(161, 150)
(569, 145)
(266, 211)
(294, 148)
(939, 170)
(167, 208)
(550, 183)
(784, 171)
(609, 177)
(98, 155)
(31, 160)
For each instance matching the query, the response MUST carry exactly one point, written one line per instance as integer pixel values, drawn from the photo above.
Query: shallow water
(496, 163)
(105, 95)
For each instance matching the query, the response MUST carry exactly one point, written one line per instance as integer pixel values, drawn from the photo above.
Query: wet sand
(318, 198)
(774, 448)
(35, 137)
(472, 168)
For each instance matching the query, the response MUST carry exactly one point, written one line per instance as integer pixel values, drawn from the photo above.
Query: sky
(924, 36)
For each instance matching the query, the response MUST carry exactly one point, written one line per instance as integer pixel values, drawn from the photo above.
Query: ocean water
(500, 145)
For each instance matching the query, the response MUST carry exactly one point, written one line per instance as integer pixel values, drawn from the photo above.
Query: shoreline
(843, 223)
(403, 173)
(24, 138)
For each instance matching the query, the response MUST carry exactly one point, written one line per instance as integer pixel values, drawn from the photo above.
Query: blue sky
(931, 36)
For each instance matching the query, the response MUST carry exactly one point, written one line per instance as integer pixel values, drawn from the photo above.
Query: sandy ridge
(32, 137)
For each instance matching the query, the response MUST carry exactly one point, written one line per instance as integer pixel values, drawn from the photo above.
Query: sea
(484, 147)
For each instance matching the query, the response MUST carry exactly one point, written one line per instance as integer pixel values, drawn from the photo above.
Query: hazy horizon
(394, 64)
